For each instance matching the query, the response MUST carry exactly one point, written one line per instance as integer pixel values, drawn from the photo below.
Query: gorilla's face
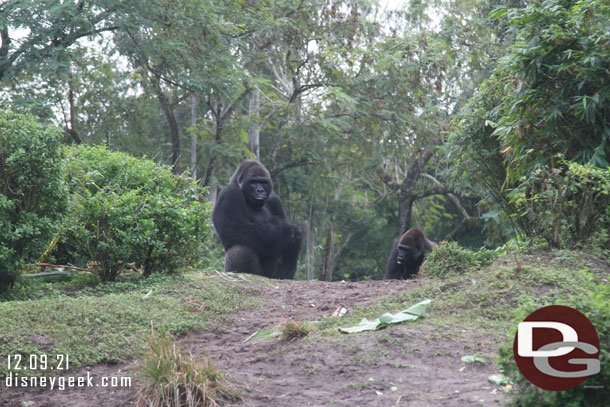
(254, 181)
(408, 249)
(257, 192)
(403, 254)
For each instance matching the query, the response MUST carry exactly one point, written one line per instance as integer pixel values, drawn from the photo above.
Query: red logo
(556, 348)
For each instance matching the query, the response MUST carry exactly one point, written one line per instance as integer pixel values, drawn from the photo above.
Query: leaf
(499, 379)
(411, 314)
(263, 334)
(474, 359)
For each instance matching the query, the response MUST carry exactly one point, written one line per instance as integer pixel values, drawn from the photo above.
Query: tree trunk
(174, 130)
(254, 132)
(194, 137)
(405, 209)
(406, 194)
(5, 43)
(72, 129)
(207, 175)
(212, 195)
(310, 243)
(329, 255)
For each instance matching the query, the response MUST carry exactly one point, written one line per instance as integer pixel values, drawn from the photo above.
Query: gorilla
(408, 254)
(251, 223)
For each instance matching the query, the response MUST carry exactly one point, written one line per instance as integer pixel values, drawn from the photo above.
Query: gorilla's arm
(274, 204)
(235, 227)
(291, 234)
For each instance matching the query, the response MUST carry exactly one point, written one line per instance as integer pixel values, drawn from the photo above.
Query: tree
(51, 29)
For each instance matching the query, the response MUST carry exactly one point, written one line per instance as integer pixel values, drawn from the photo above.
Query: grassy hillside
(474, 311)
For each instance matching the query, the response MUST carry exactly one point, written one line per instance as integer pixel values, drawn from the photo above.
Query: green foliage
(451, 259)
(556, 86)
(565, 205)
(594, 392)
(549, 95)
(128, 210)
(50, 31)
(32, 196)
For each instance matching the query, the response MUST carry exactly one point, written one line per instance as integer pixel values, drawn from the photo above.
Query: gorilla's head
(410, 246)
(254, 181)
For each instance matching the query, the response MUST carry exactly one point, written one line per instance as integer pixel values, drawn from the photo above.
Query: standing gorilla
(251, 223)
(408, 254)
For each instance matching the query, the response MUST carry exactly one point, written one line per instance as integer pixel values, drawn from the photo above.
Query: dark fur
(256, 237)
(414, 245)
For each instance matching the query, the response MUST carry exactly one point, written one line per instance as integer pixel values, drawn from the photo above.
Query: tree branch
(451, 196)
(299, 163)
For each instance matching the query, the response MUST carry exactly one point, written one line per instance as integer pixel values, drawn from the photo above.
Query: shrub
(594, 392)
(550, 94)
(32, 195)
(129, 210)
(565, 205)
(451, 259)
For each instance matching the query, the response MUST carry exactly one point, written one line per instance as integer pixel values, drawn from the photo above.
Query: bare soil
(409, 364)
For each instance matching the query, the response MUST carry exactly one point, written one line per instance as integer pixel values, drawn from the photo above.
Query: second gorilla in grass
(408, 254)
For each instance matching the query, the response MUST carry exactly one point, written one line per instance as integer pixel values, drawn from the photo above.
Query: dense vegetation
(484, 123)
(33, 198)
(450, 116)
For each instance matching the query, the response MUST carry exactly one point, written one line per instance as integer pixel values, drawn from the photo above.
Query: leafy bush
(556, 89)
(565, 205)
(596, 307)
(451, 259)
(129, 210)
(549, 94)
(32, 195)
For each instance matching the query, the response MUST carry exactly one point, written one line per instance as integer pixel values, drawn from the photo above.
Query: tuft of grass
(176, 379)
(292, 330)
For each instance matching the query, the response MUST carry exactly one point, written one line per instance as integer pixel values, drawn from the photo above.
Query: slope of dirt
(406, 365)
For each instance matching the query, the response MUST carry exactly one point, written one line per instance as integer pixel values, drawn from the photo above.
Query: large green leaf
(411, 314)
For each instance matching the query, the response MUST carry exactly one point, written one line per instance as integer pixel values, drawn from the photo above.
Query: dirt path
(406, 365)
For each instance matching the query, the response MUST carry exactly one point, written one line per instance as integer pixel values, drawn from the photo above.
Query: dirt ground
(408, 364)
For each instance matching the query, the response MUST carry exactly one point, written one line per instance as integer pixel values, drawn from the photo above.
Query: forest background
(482, 122)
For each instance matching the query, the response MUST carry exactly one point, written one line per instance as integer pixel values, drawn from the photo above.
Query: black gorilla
(408, 254)
(251, 223)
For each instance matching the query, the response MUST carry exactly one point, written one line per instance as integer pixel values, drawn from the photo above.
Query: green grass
(95, 323)
(107, 323)
(484, 299)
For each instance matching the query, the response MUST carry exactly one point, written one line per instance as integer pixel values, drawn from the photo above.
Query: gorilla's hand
(296, 235)
(292, 235)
